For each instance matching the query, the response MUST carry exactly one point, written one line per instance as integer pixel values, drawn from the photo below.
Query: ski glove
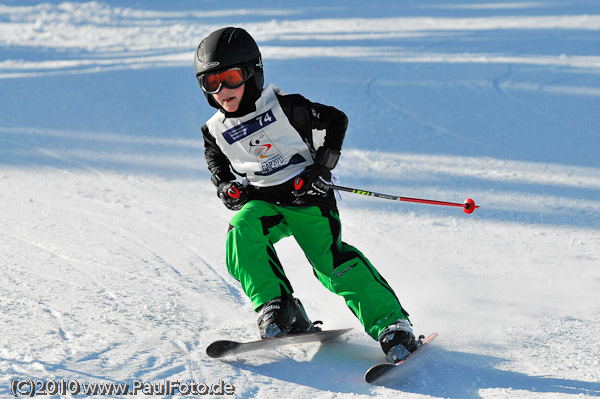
(316, 178)
(233, 194)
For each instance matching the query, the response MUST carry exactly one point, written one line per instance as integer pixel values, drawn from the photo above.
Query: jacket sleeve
(305, 116)
(218, 163)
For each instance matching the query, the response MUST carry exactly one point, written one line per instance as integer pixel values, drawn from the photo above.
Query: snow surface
(112, 238)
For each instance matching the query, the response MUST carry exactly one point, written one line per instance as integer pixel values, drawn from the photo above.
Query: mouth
(229, 99)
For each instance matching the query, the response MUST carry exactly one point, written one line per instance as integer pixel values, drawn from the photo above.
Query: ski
(381, 369)
(227, 347)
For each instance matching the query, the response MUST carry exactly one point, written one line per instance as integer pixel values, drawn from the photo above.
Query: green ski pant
(341, 268)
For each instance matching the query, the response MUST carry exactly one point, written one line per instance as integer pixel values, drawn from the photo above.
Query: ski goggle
(214, 82)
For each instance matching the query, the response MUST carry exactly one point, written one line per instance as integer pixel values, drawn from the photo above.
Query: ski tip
(220, 348)
(379, 370)
(376, 371)
(223, 348)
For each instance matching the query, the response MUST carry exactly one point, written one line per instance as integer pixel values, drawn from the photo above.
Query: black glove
(316, 178)
(233, 194)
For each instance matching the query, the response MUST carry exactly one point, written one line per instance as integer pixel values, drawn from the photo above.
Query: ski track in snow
(112, 239)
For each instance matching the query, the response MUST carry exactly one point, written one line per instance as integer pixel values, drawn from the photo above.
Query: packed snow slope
(112, 238)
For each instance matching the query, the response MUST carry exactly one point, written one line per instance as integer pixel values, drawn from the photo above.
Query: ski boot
(282, 316)
(397, 341)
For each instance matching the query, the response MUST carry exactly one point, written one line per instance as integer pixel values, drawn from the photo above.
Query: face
(229, 99)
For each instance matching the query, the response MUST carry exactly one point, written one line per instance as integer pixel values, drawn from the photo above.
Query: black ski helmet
(227, 48)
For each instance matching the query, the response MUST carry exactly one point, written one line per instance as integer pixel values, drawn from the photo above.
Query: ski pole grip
(233, 192)
(298, 183)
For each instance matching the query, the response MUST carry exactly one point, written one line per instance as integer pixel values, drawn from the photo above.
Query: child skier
(266, 137)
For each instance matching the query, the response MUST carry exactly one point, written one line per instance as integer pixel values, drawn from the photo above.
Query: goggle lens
(231, 78)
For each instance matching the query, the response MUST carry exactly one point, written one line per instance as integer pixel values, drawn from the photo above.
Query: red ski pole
(468, 206)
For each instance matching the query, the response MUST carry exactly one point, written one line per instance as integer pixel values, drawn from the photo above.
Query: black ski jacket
(304, 116)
